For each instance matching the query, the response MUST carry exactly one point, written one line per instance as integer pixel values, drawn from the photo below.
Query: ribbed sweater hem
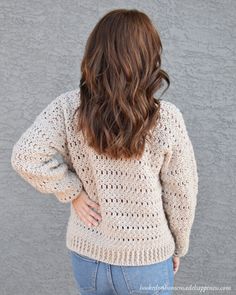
(122, 256)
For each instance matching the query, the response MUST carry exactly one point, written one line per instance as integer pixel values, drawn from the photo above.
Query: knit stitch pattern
(147, 205)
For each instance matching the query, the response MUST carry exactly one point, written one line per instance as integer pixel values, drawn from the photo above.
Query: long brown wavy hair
(121, 70)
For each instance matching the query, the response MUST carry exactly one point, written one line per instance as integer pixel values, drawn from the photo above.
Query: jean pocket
(152, 279)
(85, 271)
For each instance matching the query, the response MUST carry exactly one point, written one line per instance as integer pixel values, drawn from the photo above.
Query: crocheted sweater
(147, 205)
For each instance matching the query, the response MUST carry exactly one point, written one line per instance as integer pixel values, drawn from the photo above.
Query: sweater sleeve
(35, 155)
(179, 179)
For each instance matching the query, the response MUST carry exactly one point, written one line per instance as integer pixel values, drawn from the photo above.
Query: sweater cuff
(71, 190)
(181, 251)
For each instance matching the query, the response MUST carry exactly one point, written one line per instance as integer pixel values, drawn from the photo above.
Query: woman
(128, 169)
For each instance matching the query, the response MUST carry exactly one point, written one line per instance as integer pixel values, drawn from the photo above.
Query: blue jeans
(96, 277)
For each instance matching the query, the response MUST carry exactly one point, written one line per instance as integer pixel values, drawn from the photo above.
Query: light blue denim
(94, 277)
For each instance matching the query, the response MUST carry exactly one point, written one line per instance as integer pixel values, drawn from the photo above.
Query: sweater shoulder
(169, 110)
(59, 109)
(69, 100)
(169, 123)
(170, 116)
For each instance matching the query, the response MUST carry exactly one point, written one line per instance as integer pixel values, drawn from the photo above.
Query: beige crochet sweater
(147, 205)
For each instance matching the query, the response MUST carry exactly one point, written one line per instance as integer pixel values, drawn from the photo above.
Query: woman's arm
(179, 181)
(34, 155)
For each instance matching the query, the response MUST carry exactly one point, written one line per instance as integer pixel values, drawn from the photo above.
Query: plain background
(41, 45)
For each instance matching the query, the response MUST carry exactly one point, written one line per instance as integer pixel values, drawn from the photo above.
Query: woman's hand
(83, 207)
(176, 263)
